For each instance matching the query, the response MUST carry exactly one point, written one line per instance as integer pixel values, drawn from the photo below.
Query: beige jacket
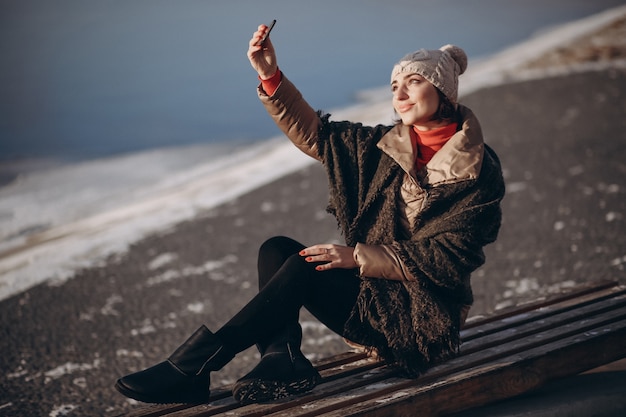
(460, 159)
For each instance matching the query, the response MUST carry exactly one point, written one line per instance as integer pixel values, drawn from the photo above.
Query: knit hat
(441, 67)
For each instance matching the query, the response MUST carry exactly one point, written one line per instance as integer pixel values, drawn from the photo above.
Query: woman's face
(415, 100)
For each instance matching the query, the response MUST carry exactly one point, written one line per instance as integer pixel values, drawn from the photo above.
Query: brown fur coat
(411, 324)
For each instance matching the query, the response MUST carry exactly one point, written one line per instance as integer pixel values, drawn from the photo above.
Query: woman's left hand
(330, 256)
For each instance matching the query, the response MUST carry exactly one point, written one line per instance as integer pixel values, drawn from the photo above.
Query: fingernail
(308, 259)
(319, 268)
(302, 252)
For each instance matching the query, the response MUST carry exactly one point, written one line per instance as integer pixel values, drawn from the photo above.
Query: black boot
(183, 377)
(282, 371)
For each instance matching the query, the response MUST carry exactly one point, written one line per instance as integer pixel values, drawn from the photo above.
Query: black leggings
(286, 283)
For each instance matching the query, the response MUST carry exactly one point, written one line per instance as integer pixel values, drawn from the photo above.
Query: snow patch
(188, 271)
(612, 216)
(80, 382)
(162, 260)
(516, 187)
(618, 261)
(576, 170)
(529, 288)
(62, 410)
(69, 368)
(521, 287)
(146, 328)
(268, 207)
(125, 353)
(19, 372)
(196, 308)
(109, 306)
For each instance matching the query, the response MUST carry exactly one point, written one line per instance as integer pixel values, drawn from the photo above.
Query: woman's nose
(400, 94)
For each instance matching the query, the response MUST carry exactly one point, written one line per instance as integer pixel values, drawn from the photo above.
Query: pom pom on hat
(441, 67)
(458, 55)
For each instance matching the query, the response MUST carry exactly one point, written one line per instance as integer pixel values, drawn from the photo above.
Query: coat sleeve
(380, 261)
(294, 116)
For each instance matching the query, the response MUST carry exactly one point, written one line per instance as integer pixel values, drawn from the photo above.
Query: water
(85, 79)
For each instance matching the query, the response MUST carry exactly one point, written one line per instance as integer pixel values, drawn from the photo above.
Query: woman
(416, 202)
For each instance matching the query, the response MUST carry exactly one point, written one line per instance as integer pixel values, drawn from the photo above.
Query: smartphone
(267, 33)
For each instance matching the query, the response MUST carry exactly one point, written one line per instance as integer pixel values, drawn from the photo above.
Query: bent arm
(293, 115)
(381, 261)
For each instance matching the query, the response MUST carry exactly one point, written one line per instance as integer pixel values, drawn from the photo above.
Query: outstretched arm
(284, 103)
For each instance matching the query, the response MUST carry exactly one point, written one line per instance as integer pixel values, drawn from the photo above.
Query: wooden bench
(501, 356)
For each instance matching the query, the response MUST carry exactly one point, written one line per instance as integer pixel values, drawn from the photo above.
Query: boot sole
(260, 391)
(187, 397)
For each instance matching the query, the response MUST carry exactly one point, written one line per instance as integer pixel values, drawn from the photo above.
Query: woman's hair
(445, 111)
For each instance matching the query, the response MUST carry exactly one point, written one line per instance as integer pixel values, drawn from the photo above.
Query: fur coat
(413, 324)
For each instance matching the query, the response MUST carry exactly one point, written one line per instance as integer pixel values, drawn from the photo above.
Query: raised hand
(262, 56)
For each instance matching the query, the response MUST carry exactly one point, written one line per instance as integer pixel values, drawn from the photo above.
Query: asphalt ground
(562, 142)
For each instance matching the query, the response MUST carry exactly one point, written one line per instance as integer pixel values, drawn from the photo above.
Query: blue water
(84, 79)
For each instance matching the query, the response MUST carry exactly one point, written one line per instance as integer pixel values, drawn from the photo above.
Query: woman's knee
(295, 271)
(273, 253)
(280, 245)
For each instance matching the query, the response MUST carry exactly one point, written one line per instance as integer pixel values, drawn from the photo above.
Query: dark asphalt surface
(562, 142)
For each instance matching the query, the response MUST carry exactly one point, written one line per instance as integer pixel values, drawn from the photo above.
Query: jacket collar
(460, 158)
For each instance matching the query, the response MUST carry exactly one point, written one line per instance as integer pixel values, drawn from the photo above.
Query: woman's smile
(404, 108)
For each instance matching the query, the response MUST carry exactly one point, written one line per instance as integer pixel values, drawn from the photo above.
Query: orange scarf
(427, 142)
